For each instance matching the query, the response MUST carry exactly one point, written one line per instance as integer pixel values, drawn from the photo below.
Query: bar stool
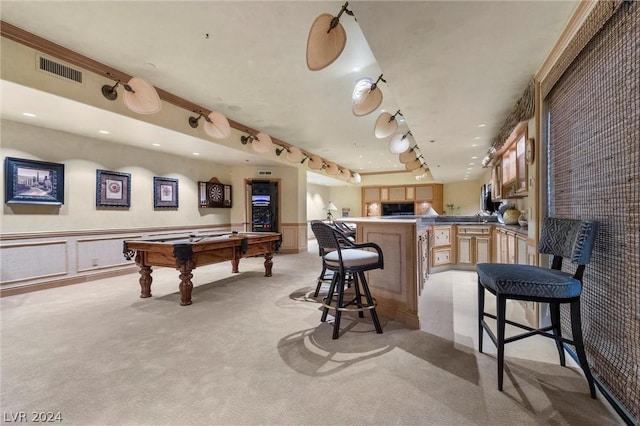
(345, 258)
(562, 238)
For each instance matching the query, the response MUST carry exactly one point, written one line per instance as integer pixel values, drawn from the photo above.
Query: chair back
(325, 235)
(568, 238)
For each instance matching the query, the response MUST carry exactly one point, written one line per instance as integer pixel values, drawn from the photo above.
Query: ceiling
(455, 69)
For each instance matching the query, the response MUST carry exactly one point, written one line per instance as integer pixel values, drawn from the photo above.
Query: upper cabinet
(422, 196)
(510, 173)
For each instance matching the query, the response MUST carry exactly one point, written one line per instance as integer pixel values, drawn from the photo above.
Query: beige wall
(464, 194)
(82, 156)
(317, 198)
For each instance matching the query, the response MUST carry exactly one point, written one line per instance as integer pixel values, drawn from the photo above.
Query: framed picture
(113, 189)
(165, 193)
(33, 182)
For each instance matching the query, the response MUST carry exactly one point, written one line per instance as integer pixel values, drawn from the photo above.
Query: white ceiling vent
(265, 172)
(56, 68)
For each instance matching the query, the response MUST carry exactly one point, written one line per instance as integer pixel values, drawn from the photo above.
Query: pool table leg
(185, 283)
(268, 263)
(145, 281)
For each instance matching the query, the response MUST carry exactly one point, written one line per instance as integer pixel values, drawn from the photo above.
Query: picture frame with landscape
(33, 182)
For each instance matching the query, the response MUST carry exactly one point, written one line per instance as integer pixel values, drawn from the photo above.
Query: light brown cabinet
(510, 170)
(473, 244)
(424, 197)
(442, 252)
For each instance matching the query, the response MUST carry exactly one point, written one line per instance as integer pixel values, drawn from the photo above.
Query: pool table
(186, 252)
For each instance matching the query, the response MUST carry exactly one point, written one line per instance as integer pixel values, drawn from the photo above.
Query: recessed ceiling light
(149, 65)
(104, 132)
(355, 69)
(28, 114)
(234, 108)
(196, 153)
(473, 158)
(156, 144)
(474, 144)
(481, 125)
(469, 168)
(477, 137)
(472, 164)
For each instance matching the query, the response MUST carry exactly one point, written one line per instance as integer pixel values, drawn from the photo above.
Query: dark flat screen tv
(398, 209)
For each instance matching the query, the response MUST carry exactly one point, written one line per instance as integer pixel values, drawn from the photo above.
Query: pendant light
(407, 156)
(216, 125)
(327, 39)
(139, 96)
(344, 174)
(331, 168)
(366, 96)
(399, 143)
(260, 143)
(315, 162)
(355, 178)
(386, 125)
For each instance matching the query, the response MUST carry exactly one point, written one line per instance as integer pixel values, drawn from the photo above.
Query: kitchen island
(416, 246)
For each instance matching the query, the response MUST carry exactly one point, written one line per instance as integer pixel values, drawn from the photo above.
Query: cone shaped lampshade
(399, 143)
(413, 164)
(324, 46)
(385, 126)
(355, 178)
(407, 156)
(217, 126)
(315, 162)
(143, 98)
(331, 168)
(364, 99)
(262, 143)
(293, 155)
(344, 174)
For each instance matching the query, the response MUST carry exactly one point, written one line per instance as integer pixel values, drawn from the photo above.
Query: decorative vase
(522, 220)
(511, 216)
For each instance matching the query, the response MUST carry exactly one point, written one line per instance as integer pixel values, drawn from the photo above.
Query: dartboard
(215, 193)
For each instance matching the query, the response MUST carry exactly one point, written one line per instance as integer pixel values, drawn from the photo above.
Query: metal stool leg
(332, 288)
(557, 330)
(501, 308)
(339, 305)
(374, 314)
(576, 328)
(480, 315)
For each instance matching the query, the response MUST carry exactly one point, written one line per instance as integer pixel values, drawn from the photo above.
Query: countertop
(424, 221)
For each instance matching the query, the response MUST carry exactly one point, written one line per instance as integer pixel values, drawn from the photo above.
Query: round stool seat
(352, 258)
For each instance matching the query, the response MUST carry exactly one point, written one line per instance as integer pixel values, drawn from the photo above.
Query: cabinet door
(483, 249)
(496, 182)
(521, 250)
(384, 194)
(424, 193)
(371, 195)
(511, 248)
(397, 194)
(465, 255)
(521, 165)
(442, 236)
(532, 255)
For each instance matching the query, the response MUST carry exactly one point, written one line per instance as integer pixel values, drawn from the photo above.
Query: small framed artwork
(165, 193)
(346, 211)
(33, 182)
(113, 189)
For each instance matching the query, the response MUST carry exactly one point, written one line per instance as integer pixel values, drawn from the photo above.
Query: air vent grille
(60, 70)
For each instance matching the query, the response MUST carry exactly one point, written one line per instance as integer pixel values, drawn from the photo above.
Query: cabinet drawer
(441, 257)
(474, 230)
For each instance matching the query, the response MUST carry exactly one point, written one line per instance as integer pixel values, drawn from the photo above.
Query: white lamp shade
(364, 100)
(315, 162)
(331, 168)
(293, 155)
(356, 178)
(143, 99)
(385, 125)
(344, 174)
(323, 46)
(218, 127)
(399, 143)
(331, 207)
(262, 143)
(413, 164)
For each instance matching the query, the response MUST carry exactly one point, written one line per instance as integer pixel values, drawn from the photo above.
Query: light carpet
(252, 350)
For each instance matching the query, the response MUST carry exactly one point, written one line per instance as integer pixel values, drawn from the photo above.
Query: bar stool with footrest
(563, 238)
(345, 257)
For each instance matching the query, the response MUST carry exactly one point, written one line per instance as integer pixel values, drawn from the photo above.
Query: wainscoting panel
(99, 253)
(33, 261)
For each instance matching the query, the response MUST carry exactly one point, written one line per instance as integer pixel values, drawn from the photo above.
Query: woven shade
(315, 162)
(385, 126)
(331, 168)
(407, 156)
(324, 46)
(364, 99)
(344, 174)
(293, 155)
(143, 98)
(217, 126)
(262, 143)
